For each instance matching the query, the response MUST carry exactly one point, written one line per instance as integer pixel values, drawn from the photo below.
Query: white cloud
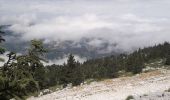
(63, 60)
(4, 57)
(129, 23)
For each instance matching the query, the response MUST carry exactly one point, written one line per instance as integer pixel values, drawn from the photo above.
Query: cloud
(58, 61)
(4, 57)
(128, 23)
(63, 60)
(61, 28)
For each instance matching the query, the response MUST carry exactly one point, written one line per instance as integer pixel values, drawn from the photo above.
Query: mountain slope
(115, 89)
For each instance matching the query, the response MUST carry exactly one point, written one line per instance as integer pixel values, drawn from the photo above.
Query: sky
(128, 23)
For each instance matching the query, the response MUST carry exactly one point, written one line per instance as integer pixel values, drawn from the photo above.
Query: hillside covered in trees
(24, 74)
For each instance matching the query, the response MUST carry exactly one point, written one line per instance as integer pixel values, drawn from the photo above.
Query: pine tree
(73, 71)
(24, 73)
(168, 58)
(168, 53)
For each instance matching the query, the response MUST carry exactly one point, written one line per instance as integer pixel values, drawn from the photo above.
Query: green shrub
(169, 90)
(2, 82)
(130, 97)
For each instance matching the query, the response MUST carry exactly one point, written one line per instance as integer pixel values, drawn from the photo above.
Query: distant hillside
(58, 49)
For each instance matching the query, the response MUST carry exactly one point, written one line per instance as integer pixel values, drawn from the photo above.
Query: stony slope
(150, 83)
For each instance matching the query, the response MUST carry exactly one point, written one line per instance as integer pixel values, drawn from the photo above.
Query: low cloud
(63, 60)
(58, 61)
(129, 24)
(4, 57)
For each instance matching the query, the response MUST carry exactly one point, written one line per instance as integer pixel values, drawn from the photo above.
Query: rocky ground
(164, 95)
(145, 86)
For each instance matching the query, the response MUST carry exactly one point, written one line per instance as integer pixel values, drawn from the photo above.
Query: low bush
(130, 97)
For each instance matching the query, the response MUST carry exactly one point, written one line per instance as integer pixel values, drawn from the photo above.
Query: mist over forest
(57, 45)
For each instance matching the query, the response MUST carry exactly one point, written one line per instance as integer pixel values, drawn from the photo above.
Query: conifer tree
(168, 57)
(73, 71)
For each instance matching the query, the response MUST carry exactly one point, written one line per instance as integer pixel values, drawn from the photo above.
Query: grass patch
(123, 73)
(167, 90)
(55, 88)
(130, 97)
(88, 81)
(35, 94)
(145, 95)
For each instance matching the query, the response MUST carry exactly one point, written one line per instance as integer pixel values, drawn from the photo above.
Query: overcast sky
(130, 23)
